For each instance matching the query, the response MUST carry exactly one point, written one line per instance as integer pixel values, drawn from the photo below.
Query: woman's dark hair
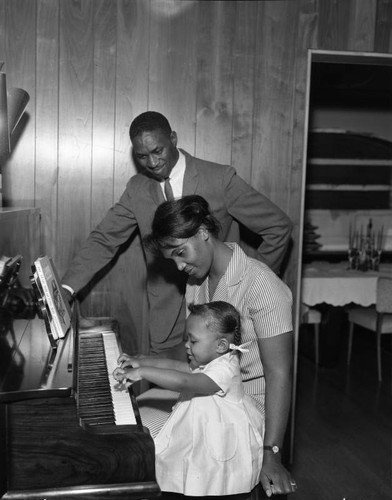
(182, 219)
(221, 318)
(147, 122)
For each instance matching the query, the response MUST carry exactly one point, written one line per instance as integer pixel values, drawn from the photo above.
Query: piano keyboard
(101, 400)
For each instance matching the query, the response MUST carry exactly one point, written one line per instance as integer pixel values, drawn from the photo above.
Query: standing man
(170, 172)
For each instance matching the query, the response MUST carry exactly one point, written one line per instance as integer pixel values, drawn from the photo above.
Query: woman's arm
(276, 356)
(167, 378)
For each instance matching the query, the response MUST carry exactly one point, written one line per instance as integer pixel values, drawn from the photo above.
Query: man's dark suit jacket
(229, 197)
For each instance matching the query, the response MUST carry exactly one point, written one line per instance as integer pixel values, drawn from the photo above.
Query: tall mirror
(347, 181)
(348, 161)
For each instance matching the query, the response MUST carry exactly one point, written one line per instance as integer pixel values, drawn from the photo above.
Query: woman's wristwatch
(274, 448)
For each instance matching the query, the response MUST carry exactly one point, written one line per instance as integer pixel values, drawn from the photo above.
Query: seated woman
(185, 231)
(212, 442)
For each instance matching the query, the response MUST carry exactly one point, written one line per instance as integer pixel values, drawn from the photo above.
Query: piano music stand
(52, 306)
(42, 309)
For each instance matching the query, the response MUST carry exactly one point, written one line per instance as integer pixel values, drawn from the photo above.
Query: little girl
(212, 443)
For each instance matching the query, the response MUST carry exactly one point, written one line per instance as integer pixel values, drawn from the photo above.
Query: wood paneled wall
(229, 75)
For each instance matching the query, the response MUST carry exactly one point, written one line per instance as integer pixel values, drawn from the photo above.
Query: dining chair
(312, 316)
(376, 318)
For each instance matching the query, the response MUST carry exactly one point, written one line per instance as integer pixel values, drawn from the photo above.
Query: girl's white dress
(212, 445)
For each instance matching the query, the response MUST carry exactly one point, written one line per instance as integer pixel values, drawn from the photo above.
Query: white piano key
(122, 404)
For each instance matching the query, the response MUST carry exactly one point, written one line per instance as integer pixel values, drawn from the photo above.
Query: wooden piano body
(48, 450)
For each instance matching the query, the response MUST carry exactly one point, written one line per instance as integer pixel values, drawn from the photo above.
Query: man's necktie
(168, 190)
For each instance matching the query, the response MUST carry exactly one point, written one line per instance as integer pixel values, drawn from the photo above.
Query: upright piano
(67, 429)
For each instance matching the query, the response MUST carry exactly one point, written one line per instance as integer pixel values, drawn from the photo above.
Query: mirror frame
(323, 56)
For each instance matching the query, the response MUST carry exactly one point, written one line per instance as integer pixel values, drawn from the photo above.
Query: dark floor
(343, 437)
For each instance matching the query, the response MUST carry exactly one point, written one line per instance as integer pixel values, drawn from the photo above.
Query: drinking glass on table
(352, 258)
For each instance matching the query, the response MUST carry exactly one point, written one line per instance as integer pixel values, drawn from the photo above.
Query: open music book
(54, 307)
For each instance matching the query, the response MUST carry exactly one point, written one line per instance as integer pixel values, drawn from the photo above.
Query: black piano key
(94, 396)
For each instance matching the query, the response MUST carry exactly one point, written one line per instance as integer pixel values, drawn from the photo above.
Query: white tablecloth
(333, 284)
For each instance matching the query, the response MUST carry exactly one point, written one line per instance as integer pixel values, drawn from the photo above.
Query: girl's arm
(126, 361)
(171, 379)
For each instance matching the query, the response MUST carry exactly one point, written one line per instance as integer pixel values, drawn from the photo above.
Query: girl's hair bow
(241, 348)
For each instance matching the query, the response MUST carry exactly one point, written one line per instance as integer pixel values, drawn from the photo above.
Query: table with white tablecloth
(331, 287)
(336, 285)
